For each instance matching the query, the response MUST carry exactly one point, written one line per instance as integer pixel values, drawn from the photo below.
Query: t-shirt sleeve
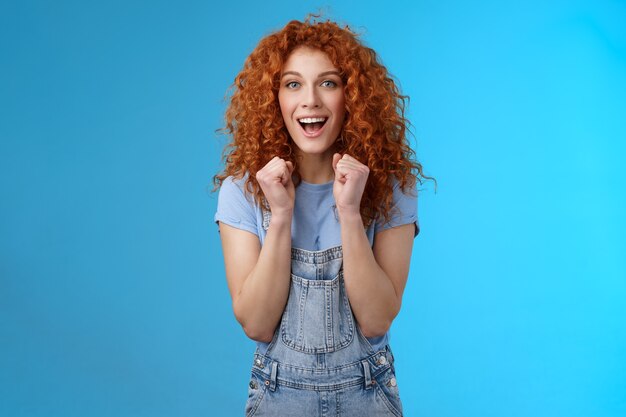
(404, 210)
(235, 207)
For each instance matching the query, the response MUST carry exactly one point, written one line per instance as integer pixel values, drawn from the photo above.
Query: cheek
(281, 100)
(285, 107)
(286, 111)
(340, 106)
(341, 110)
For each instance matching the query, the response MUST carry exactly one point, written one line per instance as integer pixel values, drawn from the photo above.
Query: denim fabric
(318, 362)
(315, 224)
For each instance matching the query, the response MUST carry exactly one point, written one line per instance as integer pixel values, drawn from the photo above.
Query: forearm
(372, 296)
(263, 296)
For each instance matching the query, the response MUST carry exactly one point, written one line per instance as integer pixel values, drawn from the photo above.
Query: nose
(311, 98)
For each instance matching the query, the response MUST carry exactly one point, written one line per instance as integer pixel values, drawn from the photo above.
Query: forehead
(304, 58)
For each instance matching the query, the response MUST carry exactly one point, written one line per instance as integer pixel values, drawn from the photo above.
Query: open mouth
(312, 125)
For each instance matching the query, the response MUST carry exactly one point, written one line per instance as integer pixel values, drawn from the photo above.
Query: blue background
(113, 300)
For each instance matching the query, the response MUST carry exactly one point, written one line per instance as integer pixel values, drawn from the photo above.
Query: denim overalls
(318, 362)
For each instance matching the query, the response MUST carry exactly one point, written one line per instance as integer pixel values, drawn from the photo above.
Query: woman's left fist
(350, 179)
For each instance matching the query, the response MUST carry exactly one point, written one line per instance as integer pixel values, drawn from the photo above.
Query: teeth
(312, 120)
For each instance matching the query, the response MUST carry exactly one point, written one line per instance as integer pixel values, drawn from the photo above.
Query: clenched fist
(350, 179)
(277, 185)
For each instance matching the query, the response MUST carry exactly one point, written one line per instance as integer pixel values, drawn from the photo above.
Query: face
(312, 101)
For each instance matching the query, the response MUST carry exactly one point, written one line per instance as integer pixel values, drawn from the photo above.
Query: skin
(259, 276)
(312, 86)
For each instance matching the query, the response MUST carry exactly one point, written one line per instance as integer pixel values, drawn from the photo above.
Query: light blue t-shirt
(315, 225)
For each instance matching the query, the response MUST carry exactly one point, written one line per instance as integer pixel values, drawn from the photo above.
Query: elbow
(380, 325)
(257, 334)
(254, 330)
(372, 330)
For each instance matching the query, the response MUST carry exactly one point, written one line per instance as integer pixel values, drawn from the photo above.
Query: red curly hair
(374, 130)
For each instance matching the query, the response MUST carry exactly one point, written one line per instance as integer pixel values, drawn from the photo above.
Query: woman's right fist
(275, 181)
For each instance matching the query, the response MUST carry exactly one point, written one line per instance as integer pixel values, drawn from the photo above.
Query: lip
(305, 116)
(312, 135)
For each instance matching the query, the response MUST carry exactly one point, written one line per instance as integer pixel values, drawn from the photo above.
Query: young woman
(317, 212)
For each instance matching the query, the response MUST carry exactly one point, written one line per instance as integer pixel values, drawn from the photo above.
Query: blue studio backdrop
(113, 299)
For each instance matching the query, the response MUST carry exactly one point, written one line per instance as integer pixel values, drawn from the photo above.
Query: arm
(258, 276)
(375, 278)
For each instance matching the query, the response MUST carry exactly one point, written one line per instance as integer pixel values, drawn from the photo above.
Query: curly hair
(374, 130)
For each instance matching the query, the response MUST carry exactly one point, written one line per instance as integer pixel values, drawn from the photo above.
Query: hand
(275, 181)
(350, 179)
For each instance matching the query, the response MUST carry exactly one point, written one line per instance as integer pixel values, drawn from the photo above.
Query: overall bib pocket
(305, 327)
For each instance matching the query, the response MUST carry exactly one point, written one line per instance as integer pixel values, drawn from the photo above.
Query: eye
(329, 83)
(292, 84)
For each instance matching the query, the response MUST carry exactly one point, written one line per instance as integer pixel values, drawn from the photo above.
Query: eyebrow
(321, 74)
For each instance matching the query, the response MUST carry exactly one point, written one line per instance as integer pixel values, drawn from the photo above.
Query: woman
(317, 213)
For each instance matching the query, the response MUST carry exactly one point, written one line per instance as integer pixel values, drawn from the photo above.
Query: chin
(313, 149)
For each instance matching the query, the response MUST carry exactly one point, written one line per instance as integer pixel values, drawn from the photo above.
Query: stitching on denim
(267, 215)
(387, 401)
(317, 257)
(375, 368)
(255, 407)
(322, 387)
(296, 342)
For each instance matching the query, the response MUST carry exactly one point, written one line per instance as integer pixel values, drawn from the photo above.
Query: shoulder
(409, 190)
(235, 187)
(236, 206)
(232, 182)
(234, 193)
(403, 210)
(404, 198)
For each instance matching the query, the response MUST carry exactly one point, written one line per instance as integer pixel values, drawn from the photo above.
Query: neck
(316, 169)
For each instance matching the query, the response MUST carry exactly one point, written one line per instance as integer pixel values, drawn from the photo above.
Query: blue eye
(329, 83)
(292, 84)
